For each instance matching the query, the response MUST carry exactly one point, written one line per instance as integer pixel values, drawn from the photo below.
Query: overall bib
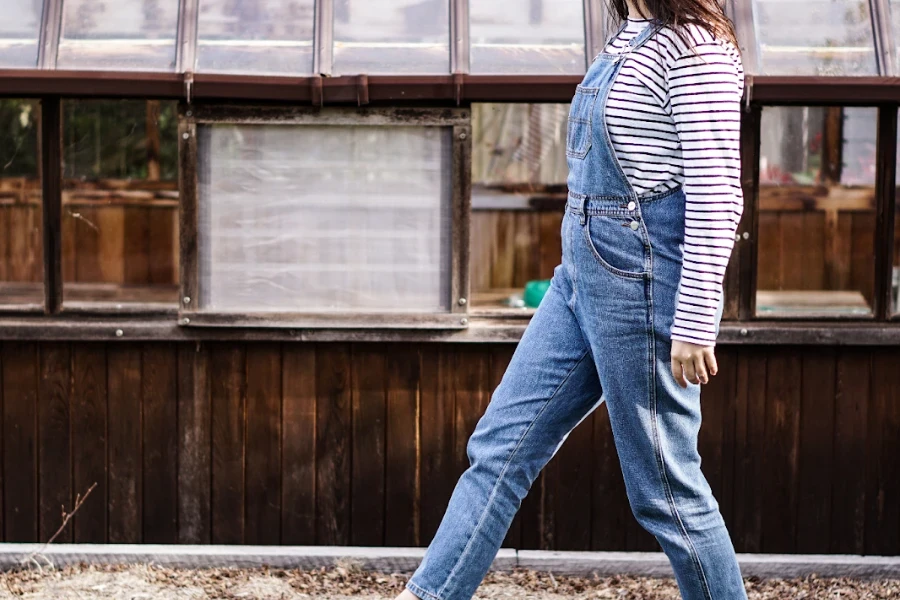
(602, 333)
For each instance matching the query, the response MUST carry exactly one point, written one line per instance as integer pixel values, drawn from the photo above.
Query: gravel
(348, 582)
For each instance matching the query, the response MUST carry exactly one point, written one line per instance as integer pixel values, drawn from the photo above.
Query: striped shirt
(674, 120)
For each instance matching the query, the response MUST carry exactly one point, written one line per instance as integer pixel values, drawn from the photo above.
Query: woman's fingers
(710, 356)
(678, 372)
(690, 373)
(700, 369)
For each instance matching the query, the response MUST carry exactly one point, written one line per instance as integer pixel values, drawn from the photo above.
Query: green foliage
(19, 138)
(107, 139)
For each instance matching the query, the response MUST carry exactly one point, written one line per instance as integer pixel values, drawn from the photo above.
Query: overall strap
(645, 36)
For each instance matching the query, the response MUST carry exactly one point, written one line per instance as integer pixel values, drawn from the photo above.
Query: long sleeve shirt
(674, 120)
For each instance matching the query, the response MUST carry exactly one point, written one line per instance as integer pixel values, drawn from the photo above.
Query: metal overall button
(634, 225)
(631, 206)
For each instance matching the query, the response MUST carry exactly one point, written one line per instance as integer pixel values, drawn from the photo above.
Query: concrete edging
(405, 560)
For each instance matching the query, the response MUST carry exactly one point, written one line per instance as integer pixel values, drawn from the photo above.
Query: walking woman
(632, 312)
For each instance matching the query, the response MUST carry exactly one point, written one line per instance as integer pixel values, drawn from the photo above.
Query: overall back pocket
(580, 130)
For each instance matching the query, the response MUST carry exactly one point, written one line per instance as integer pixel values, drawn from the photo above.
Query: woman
(633, 310)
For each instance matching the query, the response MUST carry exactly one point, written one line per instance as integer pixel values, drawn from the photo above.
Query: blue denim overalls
(603, 328)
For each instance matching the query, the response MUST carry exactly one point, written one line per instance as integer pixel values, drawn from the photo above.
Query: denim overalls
(602, 329)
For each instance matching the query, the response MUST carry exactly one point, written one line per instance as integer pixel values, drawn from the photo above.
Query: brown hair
(677, 14)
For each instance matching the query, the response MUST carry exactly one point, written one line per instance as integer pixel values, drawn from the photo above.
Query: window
(391, 36)
(124, 34)
(519, 172)
(21, 246)
(817, 212)
(326, 218)
(19, 33)
(815, 37)
(525, 36)
(120, 203)
(267, 37)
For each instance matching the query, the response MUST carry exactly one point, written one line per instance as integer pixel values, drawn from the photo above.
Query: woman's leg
(550, 386)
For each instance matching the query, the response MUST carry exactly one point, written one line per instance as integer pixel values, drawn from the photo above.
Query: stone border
(405, 560)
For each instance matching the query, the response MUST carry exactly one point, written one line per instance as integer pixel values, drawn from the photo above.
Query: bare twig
(66, 517)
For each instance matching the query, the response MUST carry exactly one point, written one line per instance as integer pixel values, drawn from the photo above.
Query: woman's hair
(677, 14)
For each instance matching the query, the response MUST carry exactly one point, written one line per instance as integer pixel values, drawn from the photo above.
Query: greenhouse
(235, 233)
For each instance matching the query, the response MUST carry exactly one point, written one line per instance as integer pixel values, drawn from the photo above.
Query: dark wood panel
(299, 401)
(20, 394)
(160, 424)
(194, 444)
(438, 472)
(226, 373)
(54, 440)
(781, 453)
(750, 442)
(263, 451)
(816, 450)
(333, 444)
(89, 447)
(125, 444)
(848, 476)
(368, 439)
(269, 443)
(883, 456)
(401, 491)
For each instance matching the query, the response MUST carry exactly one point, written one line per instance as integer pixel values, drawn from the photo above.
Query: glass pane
(262, 37)
(20, 27)
(527, 36)
(391, 36)
(120, 203)
(21, 245)
(519, 173)
(324, 218)
(815, 37)
(121, 34)
(894, 7)
(817, 212)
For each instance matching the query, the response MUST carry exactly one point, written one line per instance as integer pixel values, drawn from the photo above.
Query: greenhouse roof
(277, 43)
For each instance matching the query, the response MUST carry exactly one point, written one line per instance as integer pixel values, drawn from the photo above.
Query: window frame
(456, 120)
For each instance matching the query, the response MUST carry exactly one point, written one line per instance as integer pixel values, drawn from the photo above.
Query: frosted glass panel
(119, 34)
(324, 218)
(20, 25)
(262, 37)
(815, 37)
(391, 36)
(527, 36)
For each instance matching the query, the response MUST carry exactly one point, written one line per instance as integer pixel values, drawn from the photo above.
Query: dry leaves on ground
(347, 582)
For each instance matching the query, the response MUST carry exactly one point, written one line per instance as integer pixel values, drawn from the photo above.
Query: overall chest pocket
(580, 125)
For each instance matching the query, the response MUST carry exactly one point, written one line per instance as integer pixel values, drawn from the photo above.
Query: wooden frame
(456, 121)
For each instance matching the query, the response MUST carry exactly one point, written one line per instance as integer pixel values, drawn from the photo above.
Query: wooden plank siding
(355, 443)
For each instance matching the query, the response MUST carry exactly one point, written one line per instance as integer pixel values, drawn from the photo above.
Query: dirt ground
(149, 582)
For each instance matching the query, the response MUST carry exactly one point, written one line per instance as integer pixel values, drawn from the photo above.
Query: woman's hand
(692, 362)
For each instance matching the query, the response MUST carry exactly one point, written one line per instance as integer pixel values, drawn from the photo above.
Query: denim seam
(660, 458)
(497, 483)
(422, 593)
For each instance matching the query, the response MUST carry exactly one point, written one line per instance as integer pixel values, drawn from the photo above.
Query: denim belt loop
(584, 203)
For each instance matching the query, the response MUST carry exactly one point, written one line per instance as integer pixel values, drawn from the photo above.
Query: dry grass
(147, 582)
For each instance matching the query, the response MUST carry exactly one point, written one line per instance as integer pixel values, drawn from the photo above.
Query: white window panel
(20, 26)
(265, 37)
(118, 34)
(815, 37)
(324, 219)
(527, 37)
(391, 36)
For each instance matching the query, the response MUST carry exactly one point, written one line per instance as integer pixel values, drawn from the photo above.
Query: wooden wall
(362, 444)
(118, 232)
